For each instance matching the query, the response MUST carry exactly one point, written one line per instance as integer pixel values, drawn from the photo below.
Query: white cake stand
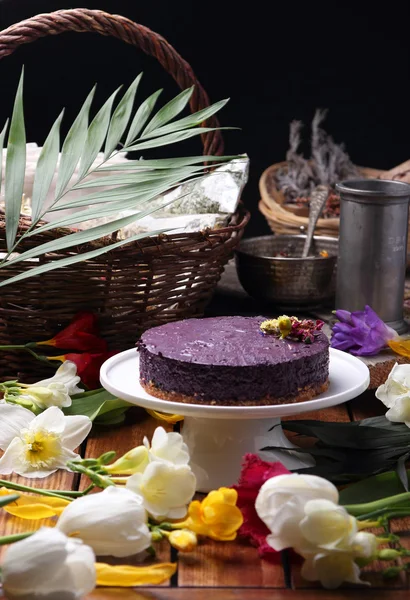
(219, 436)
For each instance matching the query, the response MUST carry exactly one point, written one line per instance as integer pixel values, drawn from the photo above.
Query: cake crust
(307, 393)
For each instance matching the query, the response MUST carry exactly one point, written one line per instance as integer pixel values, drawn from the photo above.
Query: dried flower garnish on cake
(292, 328)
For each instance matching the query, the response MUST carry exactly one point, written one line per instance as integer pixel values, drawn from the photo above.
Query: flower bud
(131, 462)
(183, 540)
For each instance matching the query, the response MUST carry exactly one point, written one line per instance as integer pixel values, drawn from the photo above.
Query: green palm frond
(131, 186)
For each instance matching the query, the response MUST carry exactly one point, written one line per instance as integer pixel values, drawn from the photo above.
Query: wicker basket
(134, 287)
(289, 219)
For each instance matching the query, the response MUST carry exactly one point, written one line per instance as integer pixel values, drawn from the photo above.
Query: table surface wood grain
(224, 570)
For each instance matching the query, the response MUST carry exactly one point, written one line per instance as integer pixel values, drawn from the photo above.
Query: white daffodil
(48, 566)
(38, 446)
(395, 394)
(326, 525)
(165, 488)
(281, 506)
(332, 569)
(169, 447)
(113, 522)
(55, 391)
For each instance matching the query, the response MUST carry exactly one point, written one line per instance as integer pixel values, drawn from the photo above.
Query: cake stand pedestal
(219, 436)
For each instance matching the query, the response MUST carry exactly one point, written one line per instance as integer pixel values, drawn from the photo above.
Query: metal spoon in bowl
(317, 201)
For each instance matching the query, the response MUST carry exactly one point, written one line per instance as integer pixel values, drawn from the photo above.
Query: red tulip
(80, 334)
(88, 366)
(255, 472)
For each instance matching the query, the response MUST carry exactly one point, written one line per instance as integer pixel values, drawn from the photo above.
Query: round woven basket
(287, 218)
(136, 286)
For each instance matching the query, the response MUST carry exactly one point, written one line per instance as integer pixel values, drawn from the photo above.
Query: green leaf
(45, 169)
(173, 138)
(141, 117)
(95, 403)
(15, 167)
(169, 111)
(189, 121)
(97, 132)
(4, 500)
(71, 260)
(2, 135)
(120, 118)
(373, 488)
(73, 146)
(166, 163)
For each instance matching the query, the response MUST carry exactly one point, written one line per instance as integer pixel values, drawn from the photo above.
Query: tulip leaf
(4, 500)
(96, 403)
(120, 118)
(2, 136)
(15, 167)
(373, 488)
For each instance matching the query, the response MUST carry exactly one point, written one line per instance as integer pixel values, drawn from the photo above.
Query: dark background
(276, 62)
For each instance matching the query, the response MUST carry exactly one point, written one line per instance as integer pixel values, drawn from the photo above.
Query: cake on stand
(219, 436)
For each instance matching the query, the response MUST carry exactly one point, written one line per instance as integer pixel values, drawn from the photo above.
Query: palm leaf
(73, 146)
(71, 260)
(169, 111)
(2, 136)
(120, 118)
(172, 138)
(96, 135)
(15, 167)
(141, 117)
(189, 121)
(164, 163)
(46, 165)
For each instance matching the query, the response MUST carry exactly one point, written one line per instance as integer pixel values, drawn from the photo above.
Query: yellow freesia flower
(217, 516)
(129, 576)
(163, 416)
(34, 507)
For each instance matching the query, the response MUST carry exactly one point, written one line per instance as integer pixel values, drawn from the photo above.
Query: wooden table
(224, 570)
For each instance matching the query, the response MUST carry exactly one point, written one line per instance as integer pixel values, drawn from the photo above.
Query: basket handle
(96, 21)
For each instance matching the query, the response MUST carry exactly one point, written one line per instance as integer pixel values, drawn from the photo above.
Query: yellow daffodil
(183, 540)
(34, 507)
(129, 576)
(217, 516)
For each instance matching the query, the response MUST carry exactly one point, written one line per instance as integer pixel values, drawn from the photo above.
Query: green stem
(371, 507)
(98, 480)
(25, 488)
(16, 537)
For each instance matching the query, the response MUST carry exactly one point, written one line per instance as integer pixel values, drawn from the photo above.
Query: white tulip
(169, 447)
(48, 566)
(55, 391)
(165, 488)
(112, 522)
(395, 394)
(281, 502)
(331, 569)
(327, 526)
(38, 446)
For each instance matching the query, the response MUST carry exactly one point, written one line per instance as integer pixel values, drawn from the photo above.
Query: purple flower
(361, 333)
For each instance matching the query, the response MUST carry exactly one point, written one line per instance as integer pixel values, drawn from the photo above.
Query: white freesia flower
(55, 391)
(48, 566)
(165, 488)
(112, 522)
(395, 394)
(38, 446)
(167, 446)
(326, 525)
(331, 569)
(364, 545)
(281, 506)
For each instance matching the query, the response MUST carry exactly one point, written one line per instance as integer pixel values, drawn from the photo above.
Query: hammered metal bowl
(291, 283)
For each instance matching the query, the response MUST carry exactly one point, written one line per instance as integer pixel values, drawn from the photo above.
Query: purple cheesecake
(230, 361)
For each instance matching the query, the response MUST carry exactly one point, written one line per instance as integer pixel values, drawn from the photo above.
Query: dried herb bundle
(328, 164)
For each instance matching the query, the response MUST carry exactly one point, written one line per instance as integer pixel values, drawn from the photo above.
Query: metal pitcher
(372, 258)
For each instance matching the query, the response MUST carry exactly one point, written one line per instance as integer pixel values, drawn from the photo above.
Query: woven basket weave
(134, 287)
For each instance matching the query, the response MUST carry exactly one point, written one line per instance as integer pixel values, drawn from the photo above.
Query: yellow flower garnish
(401, 347)
(34, 507)
(129, 576)
(281, 326)
(217, 516)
